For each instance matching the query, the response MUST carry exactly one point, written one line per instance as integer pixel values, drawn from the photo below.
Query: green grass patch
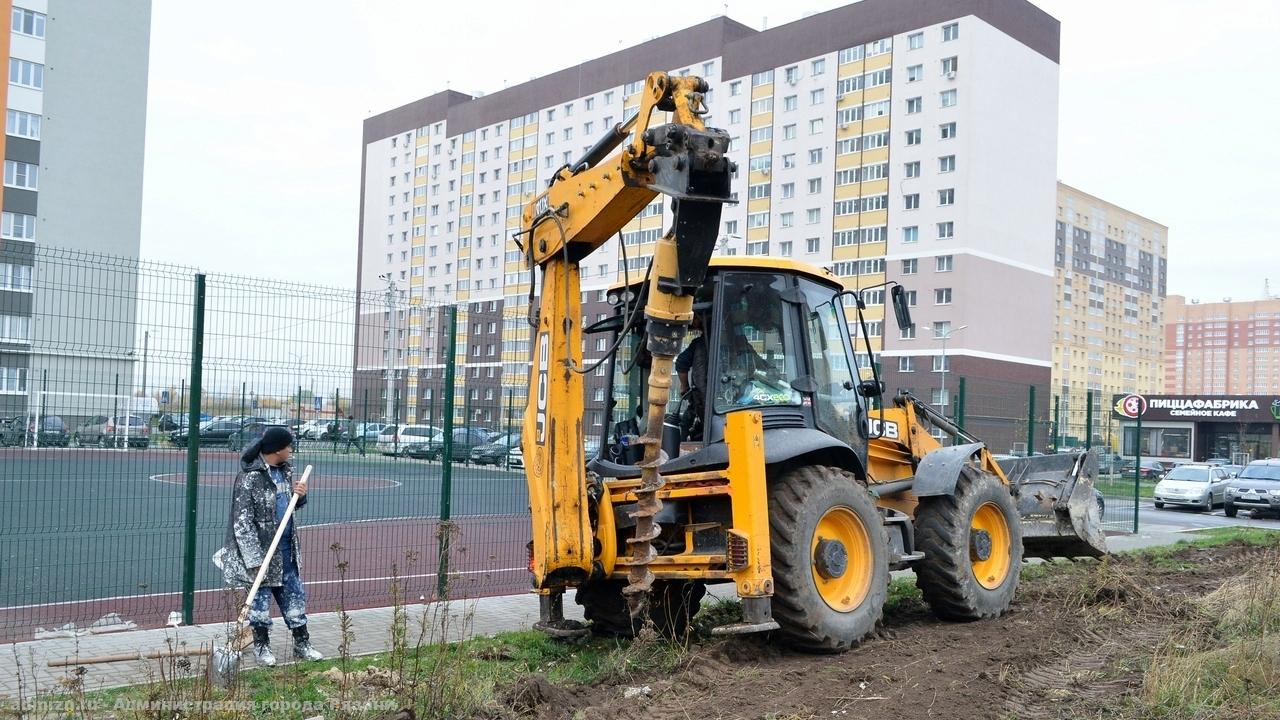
(903, 595)
(1119, 486)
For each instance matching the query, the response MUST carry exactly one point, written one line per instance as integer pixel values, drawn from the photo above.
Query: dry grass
(1227, 662)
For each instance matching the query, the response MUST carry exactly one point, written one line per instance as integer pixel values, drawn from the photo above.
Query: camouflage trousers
(290, 597)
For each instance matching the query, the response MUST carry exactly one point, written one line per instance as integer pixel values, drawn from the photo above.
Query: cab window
(754, 364)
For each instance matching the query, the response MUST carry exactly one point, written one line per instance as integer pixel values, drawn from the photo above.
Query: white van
(395, 439)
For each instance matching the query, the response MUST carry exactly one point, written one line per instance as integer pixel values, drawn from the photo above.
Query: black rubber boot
(302, 649)
(262, 646)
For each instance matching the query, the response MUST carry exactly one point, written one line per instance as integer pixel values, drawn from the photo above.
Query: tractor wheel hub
(979, 545)
(830, 558)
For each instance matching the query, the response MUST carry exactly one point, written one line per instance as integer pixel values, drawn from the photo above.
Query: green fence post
(446, 468)
(1057, 420)
(1031, 419)
(242, 409)
(297, 411)
(337, 397)
(1137, 466)
(193, 456)
(115, 410)
(958, 416)
(511, 401)
(1088, 419)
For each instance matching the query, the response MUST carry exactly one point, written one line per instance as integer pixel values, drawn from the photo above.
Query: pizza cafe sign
(1242, 408)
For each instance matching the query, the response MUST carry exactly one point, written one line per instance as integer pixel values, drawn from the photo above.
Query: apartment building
(1230, 347)
(1111, 276)
(857, 133)
(73, 148)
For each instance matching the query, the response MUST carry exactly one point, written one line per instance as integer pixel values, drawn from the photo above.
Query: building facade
(73, 161)
(1226, 348)
(1195, 427)
(1111, 277)
(857, 134)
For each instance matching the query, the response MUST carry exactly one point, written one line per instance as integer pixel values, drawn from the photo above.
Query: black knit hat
(276, 439)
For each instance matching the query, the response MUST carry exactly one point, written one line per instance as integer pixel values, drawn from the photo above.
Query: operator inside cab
(745, 377)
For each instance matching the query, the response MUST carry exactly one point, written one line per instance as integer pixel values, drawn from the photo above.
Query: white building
(888, 139)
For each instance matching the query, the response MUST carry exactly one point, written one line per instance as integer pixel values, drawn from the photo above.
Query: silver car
(1256, 488)
(1197, 485)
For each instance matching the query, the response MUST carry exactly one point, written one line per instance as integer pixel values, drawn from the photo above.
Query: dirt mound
(1066, 649)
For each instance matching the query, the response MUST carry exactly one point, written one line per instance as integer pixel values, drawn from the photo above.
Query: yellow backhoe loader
(779, 467)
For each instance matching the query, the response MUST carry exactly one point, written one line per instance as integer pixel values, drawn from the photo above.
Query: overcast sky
(254, 116)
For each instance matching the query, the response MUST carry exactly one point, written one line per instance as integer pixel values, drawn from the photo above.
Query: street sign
(319, 402)
(164, 397)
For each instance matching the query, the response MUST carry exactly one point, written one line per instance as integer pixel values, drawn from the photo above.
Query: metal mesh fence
(99, 385)
(114, 503)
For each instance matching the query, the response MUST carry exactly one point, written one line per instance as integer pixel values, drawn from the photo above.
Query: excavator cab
(770, 337)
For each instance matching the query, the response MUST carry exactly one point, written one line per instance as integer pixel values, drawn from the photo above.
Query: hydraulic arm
(586, 204)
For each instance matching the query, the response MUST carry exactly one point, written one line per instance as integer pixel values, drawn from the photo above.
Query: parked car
(313, 429)
(107, 431)
(395, 439)
(53, 432)
(1151, 469)
(1197, 485)
(1110, 464)
(495, 451)
(515, 459)
(168, 422)
(214, 432)
(464, 441)
(1233, 470)
(1218, 461)
(11, 430)
(1256, 488)
(249, 434)
(368, 432)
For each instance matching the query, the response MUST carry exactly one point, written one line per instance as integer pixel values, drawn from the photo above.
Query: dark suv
(495, 451)
(1256, 488)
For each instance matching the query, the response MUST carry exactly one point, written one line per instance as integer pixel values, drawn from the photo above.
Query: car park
(1197, 485)
(1256, 488)
(113, 431)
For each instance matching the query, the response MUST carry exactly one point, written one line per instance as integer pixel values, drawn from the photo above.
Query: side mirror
(870, 388)
(901, 312)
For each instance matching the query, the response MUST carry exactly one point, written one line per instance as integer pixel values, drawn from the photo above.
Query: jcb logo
(890, 428)
(544, 354)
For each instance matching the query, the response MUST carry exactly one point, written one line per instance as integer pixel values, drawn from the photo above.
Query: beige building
(1222, 348)
(1110, 308)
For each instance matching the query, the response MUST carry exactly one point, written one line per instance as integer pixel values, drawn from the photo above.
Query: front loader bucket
(1055, 496)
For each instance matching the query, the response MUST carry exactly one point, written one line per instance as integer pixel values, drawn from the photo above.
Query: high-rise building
(887, 140)
(1222, 348)
(73, 153)
(1108, 334)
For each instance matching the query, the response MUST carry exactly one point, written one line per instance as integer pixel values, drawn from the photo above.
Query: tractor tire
(1229, 509)
(966, 575)
(672, 605)
(828, 597)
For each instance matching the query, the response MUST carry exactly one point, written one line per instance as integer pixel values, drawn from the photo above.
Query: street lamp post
(944, 400)
(390, 345)
(146, 342)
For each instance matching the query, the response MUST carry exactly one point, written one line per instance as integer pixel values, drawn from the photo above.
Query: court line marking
(159, 478)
